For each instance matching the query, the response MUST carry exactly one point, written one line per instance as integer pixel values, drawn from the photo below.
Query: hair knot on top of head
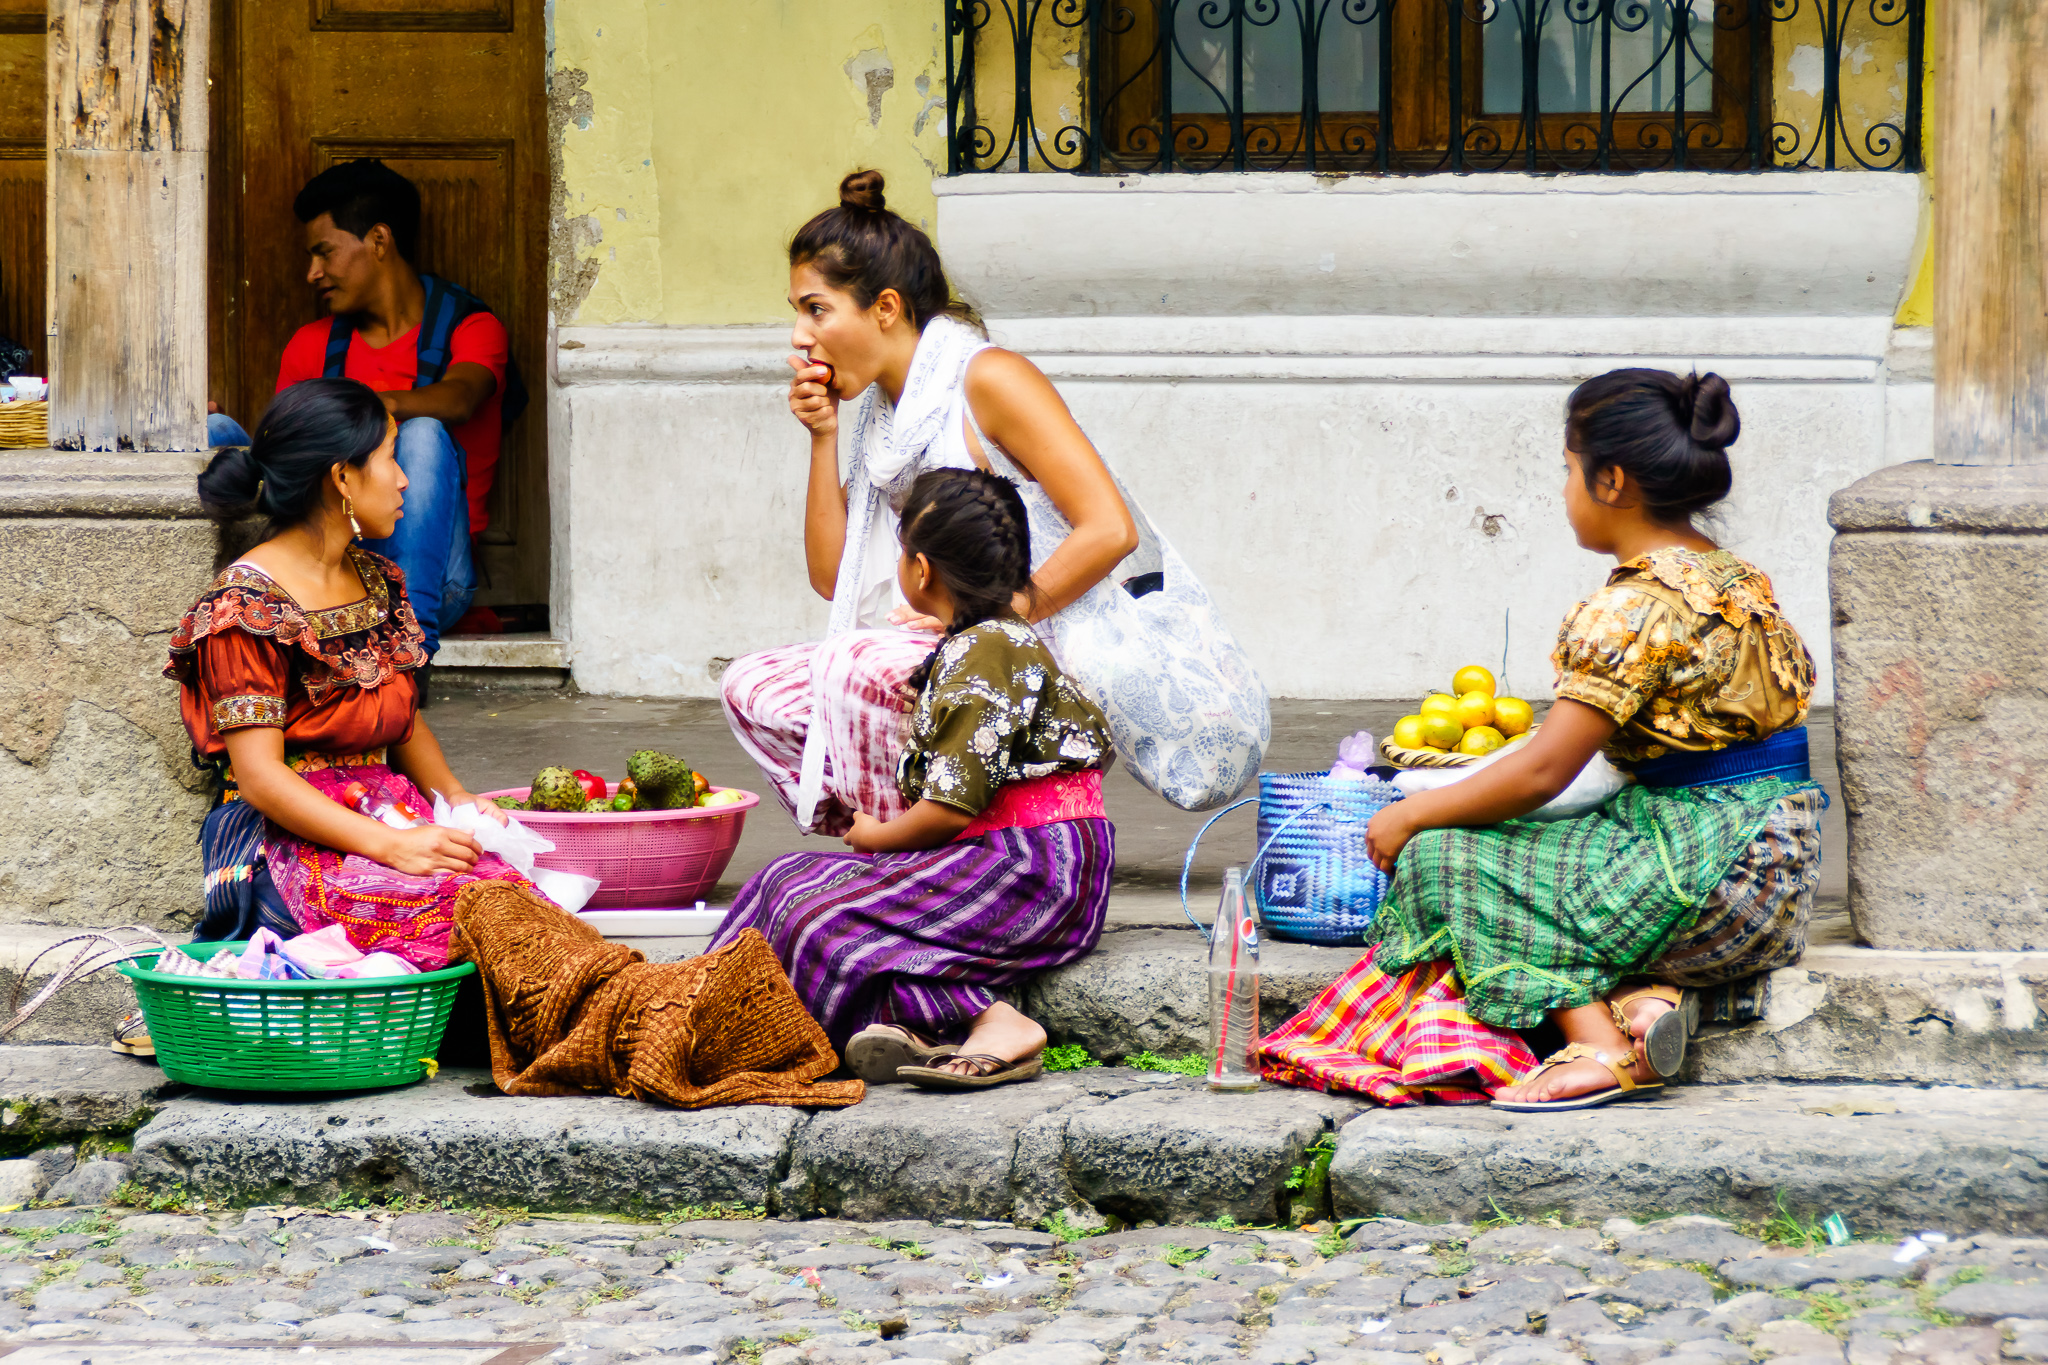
(861, 247)
(863, 190)
(1669, 435)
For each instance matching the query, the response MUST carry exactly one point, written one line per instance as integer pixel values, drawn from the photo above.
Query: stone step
(1099, 1141)
(515, 660)
(1844, 1013)
(1137, 1145)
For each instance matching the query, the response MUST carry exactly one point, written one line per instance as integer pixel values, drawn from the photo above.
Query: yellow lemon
(1408, 732)
(1513, 716)
(1472, 678)
(1439, 704)
(1441, 731)
(1480, 739)
(1475, 709)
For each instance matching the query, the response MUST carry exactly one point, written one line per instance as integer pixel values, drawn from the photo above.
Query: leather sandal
(1663, 1046)
(998, 1071)
(879, 1051)
(1627, 1087)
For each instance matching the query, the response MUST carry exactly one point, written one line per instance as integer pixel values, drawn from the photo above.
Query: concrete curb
(1140, 1146)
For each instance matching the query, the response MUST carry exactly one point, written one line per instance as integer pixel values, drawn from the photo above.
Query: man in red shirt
(434, 353)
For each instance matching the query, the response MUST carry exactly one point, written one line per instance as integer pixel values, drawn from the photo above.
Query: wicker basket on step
(24, 426)
(1429, 758)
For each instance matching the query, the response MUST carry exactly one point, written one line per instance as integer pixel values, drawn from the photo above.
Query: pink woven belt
(1041, 801)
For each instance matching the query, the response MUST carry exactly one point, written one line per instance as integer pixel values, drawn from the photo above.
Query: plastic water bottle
(396, 814)
(1234, 989)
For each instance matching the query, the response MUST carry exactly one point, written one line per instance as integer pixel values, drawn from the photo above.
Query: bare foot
(1593, 1026)
(998, 1031)
(1574, 1079)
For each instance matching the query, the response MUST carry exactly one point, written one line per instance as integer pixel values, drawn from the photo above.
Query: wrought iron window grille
(1415, 86)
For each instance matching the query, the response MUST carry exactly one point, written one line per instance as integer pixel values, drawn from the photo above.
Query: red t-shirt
(479, 339)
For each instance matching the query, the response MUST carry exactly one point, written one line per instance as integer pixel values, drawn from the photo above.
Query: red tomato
(592, 784)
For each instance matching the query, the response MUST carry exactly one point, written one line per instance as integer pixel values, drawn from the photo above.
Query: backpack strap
(446, 306)
(340, 332)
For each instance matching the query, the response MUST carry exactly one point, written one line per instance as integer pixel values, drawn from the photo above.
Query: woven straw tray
(24, 426)
(1429, 758)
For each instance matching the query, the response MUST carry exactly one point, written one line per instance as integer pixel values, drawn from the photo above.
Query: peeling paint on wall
(570, 272)
(702, 137)
(874, 76)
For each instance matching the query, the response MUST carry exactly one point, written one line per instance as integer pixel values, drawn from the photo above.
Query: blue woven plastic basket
(1311, 878)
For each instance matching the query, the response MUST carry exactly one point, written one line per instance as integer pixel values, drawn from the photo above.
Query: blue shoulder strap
(339, 333)
(446, 305)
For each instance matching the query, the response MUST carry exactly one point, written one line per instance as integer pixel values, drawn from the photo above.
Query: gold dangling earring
(348, 509)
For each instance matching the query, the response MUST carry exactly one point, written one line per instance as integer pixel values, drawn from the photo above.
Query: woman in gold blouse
(1683, 672)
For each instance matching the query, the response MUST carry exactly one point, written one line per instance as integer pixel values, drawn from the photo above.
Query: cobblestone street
(1688, 1289)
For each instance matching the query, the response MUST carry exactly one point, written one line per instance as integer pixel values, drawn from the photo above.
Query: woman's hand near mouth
(813, 403)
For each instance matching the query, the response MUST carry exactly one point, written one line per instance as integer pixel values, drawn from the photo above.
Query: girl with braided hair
(998, 866)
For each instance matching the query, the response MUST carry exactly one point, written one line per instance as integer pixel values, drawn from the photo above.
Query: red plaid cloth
(1396, 1039)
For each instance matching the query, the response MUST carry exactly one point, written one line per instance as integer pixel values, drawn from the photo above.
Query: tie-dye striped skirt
(928, 939)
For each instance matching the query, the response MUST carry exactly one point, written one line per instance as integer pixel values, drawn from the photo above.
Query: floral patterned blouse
(997, 710)
(1688, 651)
(341, 680)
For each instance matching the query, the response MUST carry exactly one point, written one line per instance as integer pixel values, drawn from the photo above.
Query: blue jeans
(431, 543)
(223, 430)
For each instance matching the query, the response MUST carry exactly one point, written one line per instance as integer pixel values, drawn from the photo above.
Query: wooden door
(451, 94)
(24, 277)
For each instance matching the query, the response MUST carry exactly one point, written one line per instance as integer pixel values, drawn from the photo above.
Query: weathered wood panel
(128, 234)
(23, 276)
(128, 75)
(127, 230)
(1991, 234)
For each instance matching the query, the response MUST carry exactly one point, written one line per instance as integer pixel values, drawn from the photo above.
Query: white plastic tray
(654, 923)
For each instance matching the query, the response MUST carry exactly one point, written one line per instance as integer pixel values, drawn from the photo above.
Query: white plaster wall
(1332, 475)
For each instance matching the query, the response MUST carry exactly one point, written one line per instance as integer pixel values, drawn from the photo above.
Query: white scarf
(892, 445)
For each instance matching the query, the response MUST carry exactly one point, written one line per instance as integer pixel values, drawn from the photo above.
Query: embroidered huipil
(1687, 650)
(336, 681)
(996, 711)
(341, 683)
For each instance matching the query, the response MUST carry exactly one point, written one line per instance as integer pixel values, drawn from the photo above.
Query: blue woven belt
(1782, 755)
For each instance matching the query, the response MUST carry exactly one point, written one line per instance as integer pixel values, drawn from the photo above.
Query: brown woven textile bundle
(570, 1013)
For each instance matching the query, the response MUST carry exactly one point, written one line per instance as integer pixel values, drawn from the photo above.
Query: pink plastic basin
(643, 859)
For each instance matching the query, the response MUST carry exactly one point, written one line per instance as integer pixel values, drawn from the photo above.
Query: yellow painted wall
(1873, 75)
(714, 130)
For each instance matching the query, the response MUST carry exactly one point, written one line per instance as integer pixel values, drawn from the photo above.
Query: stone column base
(1939, 575)
(99, 802)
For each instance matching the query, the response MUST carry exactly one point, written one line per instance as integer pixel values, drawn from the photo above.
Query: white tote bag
(1187, 713)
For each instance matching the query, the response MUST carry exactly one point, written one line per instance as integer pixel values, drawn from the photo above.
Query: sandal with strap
(879, 1051)
(1663, 1045)
(1627, 1087)
(932, 1076)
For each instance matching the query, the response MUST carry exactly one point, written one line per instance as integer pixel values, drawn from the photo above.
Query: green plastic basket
(293, 1035)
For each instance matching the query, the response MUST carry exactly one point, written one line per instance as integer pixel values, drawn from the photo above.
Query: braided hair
(971, 527)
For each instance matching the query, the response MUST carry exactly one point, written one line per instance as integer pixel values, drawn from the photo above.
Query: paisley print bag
(1187, 713)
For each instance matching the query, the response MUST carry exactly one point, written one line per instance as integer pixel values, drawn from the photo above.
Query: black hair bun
(863, 190)
(231, 481)
(1705, 408)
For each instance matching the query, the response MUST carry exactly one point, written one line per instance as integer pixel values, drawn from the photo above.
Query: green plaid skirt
(1545, 916)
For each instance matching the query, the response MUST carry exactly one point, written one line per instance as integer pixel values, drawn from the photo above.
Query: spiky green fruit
(556, 789)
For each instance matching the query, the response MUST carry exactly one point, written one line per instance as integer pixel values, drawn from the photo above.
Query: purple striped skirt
(927, 939)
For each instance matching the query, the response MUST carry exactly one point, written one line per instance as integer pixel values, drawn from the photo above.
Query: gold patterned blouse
(997, 710)
(1687, 651)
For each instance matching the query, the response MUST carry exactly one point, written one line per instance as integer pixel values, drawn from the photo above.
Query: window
(1116, 86)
